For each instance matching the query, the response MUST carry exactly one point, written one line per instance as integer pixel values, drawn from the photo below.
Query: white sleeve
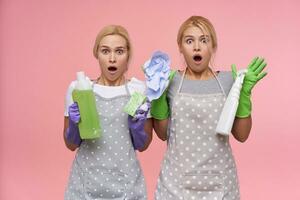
(136, 85)
(68, 98)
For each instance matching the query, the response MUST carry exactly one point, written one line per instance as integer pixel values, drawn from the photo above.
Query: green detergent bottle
(89, 124)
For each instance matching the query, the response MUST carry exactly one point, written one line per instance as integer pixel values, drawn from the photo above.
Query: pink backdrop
(44, 44)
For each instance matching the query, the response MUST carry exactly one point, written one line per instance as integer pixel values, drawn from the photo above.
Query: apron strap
(126, 87)
(181, 81)
(218, 81)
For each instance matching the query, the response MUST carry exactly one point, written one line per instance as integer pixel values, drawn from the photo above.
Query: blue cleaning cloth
(157, 71)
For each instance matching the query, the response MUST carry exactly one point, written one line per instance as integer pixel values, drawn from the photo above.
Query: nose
(196, 46)
(112, 58)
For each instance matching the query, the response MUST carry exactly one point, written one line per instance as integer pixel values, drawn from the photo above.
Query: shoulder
(136, 85)
(225, 76)
(177, 76)
(174, 83)
(72, 86)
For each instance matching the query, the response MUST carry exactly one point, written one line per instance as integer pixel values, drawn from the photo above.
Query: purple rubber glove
(72, 134)
(136, 126)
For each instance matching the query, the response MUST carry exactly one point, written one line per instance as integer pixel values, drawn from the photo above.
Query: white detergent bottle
(227, 116)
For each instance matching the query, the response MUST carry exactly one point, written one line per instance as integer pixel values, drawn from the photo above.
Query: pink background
(44, 44)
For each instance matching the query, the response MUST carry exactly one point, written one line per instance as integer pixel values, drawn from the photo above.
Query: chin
(198, 69)
(116, 77)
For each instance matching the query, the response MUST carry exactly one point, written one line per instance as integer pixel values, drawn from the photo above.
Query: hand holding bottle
(72, 133)
(253, 75)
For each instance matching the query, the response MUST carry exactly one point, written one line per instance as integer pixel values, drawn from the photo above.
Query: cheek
(208, 48)
(123, 61)
(101, 57)
(101, 61)
(186, 52)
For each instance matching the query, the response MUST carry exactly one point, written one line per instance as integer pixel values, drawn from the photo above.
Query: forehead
(113, 41)
(194, 31)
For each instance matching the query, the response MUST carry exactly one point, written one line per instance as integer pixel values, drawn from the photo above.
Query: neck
(104, 81)
(202, 75)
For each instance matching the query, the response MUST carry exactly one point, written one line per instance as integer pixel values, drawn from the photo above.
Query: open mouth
(197, 58)
(112, 69)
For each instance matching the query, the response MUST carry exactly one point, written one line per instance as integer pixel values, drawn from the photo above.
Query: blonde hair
(112, 30)
(203, 24)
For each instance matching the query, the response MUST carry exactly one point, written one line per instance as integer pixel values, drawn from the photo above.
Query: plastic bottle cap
(80, 75)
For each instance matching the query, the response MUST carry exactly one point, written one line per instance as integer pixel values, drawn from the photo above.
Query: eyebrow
(206, 36)
(119, 47)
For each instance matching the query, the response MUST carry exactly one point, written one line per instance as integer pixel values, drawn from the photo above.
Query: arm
(72, 116)
(241, 128)
(160, 128)
(69, 145)
(160, 112)
(140, 127)
(157, 78)
(71, 131)
(148, 130)
(243, 121)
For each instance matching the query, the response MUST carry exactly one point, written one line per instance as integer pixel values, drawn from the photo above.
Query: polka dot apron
(198, 164)
(107, 168)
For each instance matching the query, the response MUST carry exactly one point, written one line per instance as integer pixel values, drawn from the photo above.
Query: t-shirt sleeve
(68, 98)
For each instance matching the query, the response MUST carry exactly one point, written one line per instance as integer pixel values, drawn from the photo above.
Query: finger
(257, 63)
(77, 114)
(74, 109)
(253, 61)
(76, 120)
(260, 76)
(74, 104)
(233, 71)
(260, 68)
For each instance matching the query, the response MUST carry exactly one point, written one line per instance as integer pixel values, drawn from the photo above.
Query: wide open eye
(120, 51)
(104, 51)
(189, 41)
(204, 40)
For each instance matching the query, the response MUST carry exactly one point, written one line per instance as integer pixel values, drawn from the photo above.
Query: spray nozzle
(240, 75)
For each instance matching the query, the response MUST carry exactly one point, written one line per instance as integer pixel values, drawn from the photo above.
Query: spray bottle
(89, 124)
(227, 116)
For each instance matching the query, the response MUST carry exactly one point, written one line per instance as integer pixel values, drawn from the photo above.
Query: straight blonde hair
(203, 24)
(112, 30)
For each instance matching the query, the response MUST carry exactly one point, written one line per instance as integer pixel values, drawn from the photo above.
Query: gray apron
(198, 163)
(107, 168)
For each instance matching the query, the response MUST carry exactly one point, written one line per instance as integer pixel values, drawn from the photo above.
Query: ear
(212, 50)
(180, 49)
(97, 53)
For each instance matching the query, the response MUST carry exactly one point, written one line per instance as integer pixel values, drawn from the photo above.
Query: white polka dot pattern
(107, 168)
(198, 163)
